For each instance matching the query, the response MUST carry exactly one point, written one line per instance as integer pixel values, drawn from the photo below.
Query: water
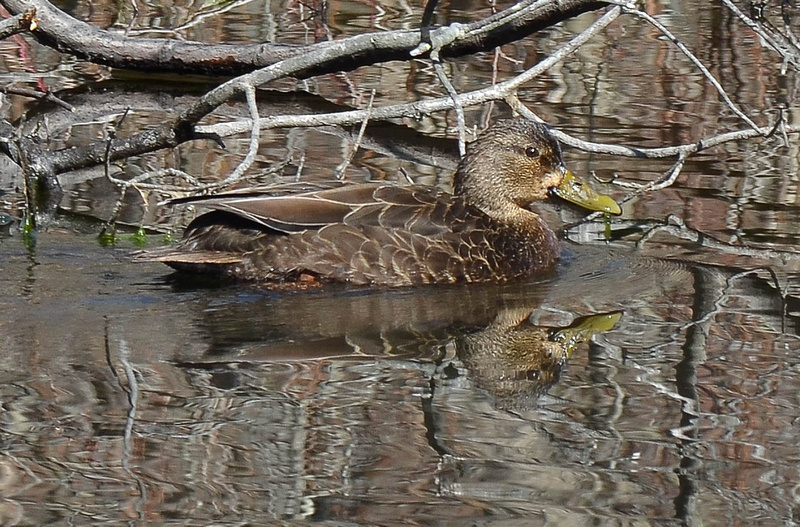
(132, 396)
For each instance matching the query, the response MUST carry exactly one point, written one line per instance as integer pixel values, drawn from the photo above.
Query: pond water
(649, 380)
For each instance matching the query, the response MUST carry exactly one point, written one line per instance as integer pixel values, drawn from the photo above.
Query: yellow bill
(578, 192)
(583, 328)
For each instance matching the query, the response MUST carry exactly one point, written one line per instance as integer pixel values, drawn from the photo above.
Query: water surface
(130, 395)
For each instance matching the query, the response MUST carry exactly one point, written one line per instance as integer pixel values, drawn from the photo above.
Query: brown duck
(392, 235)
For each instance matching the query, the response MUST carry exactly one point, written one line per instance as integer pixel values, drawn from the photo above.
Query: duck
(388, 234)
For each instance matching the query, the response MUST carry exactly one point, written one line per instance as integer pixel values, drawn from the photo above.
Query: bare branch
(34, 94)
(670, 178)
(451, 91)
(182, 129)
(497, 92)
(60, 31)
(676, 227)
(668, 151)
(68, 35)
(340, 171)
(255, 134)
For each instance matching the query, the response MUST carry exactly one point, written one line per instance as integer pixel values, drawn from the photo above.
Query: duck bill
(583, 328)
(578, 192)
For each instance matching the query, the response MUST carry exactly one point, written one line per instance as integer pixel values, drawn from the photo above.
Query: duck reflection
(487, 330)
(516, 361)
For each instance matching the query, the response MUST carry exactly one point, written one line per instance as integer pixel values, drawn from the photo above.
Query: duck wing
(417, 209)
(281, 210)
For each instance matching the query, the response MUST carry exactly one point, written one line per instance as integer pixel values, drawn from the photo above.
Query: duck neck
(539, 247)
(492, 198)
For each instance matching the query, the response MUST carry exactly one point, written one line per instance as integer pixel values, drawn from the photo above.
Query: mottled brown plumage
(378, 233)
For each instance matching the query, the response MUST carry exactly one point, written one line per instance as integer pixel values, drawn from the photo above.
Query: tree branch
(183, 127)
(18, 24)
(68, 35)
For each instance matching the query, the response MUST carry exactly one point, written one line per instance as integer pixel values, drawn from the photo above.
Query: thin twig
(35, 94)
(255, 135)
(451, 91)
(438, 66)
(780, 48)
(676, 227)
(668, 180)
(698, 64)
(425, 24)
(343, 167)
(667, 151)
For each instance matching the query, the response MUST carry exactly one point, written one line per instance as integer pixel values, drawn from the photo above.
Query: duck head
(517, 162)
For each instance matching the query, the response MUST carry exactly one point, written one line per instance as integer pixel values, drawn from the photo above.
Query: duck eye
(532, 152)
(533, 375)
